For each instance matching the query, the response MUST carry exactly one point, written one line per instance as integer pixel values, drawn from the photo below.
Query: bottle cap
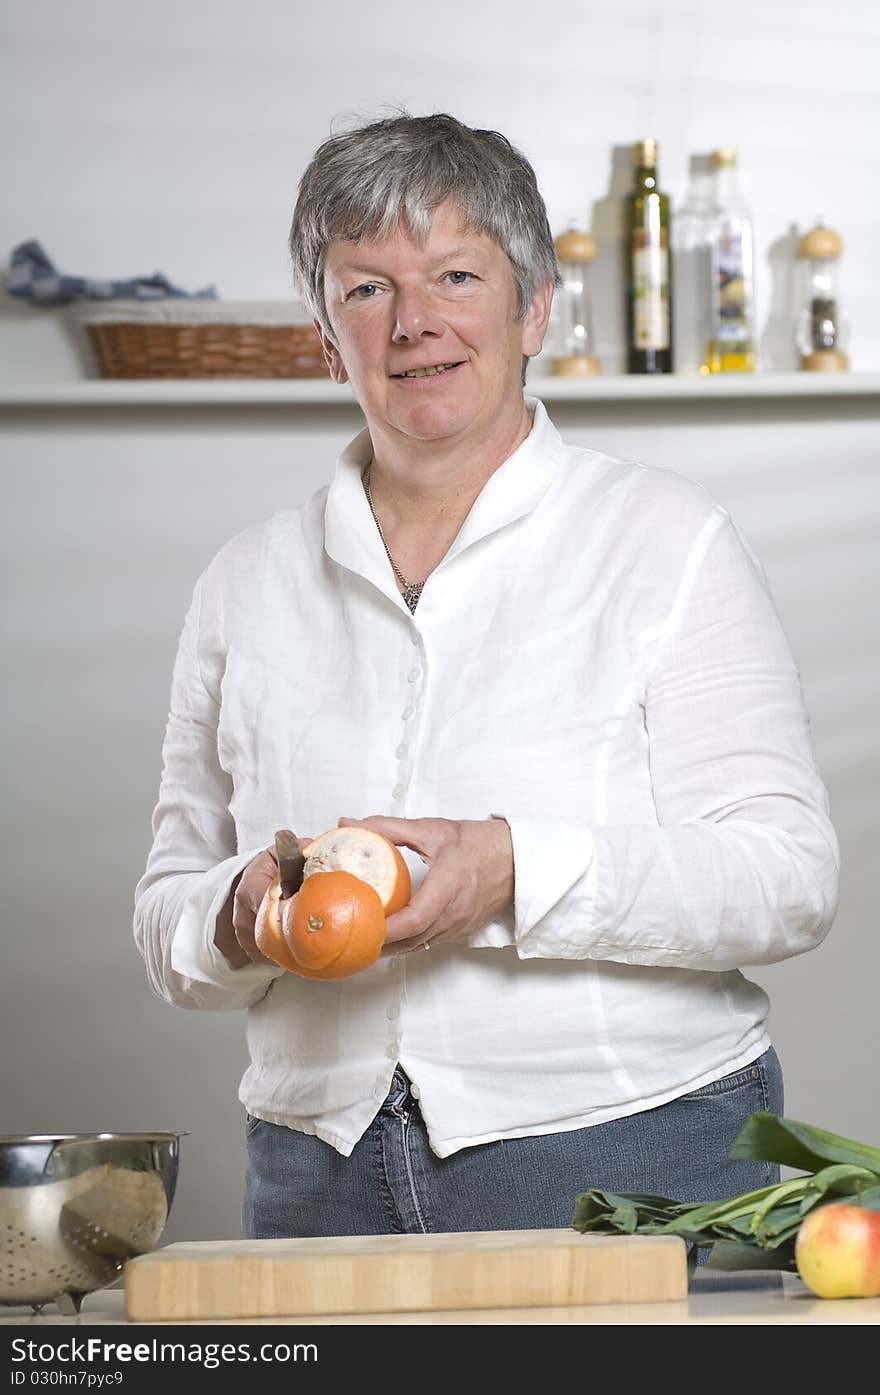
(821, 244)
(724, 158)
(575, 246)
(645, 153)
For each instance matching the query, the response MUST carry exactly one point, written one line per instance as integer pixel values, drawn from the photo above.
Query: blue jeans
(297, 1185)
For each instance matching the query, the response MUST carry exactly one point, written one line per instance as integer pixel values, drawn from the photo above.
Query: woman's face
(396, 308)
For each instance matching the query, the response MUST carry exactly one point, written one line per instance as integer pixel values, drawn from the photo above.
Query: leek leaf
(727, 1254)
(803, 1146)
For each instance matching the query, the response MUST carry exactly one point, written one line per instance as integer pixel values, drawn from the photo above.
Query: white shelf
(306, 392)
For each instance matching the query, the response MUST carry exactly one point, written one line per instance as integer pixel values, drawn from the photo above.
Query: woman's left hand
(469, 881)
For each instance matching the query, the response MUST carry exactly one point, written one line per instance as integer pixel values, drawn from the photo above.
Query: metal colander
(75, 1207)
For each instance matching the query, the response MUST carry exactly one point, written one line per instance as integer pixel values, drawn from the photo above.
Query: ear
(332, 357)
(536, 319)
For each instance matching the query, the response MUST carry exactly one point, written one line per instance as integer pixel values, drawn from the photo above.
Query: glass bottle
(731, 285)
(647, 268)
(822, 330)
(691, 274)
(574, 252)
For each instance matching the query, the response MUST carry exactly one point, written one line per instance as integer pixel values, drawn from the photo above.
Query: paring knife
(290, 862)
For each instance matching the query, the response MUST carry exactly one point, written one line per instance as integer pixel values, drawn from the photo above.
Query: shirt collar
(350, 533)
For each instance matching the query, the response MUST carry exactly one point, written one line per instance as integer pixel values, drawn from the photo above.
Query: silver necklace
(411, 589)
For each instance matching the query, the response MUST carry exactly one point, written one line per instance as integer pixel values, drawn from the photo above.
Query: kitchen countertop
(745, 1297)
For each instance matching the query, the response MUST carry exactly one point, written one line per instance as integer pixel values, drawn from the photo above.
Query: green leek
(758, 1228)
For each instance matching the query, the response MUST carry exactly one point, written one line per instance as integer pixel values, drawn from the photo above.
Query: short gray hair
(366, 182)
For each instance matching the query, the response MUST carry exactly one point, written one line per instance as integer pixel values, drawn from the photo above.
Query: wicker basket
(202, 339)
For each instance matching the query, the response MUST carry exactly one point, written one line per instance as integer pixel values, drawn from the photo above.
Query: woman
(556, 678)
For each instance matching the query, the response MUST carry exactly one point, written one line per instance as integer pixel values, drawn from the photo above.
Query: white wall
(172, 138)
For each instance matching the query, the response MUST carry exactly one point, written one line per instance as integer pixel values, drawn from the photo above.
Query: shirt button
(397, 792)
(392, 1011)
(416, 637)
(391, 1052)
(415, 1091)
(412, 675)
(407, 713)
(402, 749)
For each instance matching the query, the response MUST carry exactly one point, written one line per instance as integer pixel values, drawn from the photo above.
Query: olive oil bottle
(732, 302)
(648, 268)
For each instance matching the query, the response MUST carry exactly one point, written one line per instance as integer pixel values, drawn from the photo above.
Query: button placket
(393, 1013)
(414, 676)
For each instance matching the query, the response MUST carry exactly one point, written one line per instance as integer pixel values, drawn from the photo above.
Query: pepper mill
(575, 250)
(821, 331)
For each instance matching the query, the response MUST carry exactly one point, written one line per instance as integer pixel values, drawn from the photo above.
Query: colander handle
(58, 1160)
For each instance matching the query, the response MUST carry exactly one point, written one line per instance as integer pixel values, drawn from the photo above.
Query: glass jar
(575, 358)
(822, 330)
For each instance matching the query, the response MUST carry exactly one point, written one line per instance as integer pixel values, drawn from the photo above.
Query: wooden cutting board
(402, 1273)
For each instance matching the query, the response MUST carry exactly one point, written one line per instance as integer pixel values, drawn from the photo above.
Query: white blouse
(597, 660)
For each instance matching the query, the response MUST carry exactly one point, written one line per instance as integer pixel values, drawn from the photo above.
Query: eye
(460, 278)
(365, 292)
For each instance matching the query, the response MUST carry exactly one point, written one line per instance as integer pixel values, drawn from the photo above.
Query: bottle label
(650, 254)
(732, 311)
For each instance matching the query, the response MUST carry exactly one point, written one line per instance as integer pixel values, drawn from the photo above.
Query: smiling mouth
(427, 372)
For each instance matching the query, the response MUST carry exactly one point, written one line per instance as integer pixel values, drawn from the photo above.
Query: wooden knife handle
(290, 861)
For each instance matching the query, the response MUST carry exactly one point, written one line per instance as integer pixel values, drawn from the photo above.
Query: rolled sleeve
(554, 887)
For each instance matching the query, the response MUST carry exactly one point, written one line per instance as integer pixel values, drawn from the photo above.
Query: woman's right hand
(234, 931)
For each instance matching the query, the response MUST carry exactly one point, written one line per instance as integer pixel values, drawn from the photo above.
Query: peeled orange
(367, 855)
(268, 933)
(334, 925)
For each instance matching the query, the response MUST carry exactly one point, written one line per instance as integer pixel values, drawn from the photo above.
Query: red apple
(837, 1251)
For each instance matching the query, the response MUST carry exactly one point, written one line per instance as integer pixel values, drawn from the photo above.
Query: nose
(414, 316)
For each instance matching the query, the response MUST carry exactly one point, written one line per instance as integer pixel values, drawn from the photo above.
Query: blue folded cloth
(34, 277)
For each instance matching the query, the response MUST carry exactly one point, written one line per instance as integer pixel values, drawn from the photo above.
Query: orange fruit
(334, 926)
(367, 855)
(268, 933)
